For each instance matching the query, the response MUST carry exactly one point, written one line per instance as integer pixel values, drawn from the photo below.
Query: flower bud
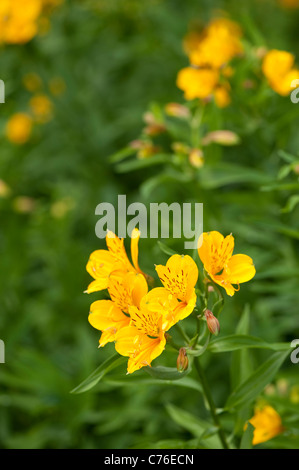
(177, 110)
(182, 360)
(196, 158)
(212, 322)
(222, 137)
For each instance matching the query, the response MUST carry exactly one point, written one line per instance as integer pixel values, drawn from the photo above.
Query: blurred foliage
(101, 64)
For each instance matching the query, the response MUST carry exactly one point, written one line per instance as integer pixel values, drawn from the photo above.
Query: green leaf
(241, 368)
(131, 380)
(246, 441)
(196, 426)
(99, 373)
(165, 373)
(121, 154)
(171, 444)
(247, 391)
(291, 204)
(138, 164)
(287, 156)
(235, 342)
(166, 249)
(227, 173)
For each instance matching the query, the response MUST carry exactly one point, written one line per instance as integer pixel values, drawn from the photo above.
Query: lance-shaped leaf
(99, 373)
(249, 390)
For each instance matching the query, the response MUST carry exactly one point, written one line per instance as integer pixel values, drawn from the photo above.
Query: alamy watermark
(2, 92)
(2, 352)
(295, 93)
(162, 220)
(295, 353)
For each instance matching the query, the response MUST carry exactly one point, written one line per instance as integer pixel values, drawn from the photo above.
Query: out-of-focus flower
(278, 68)
(222, 137)
(154, 127)
(220, 42)
(197, 83)
(42, 108)
(18, 20)
(18, 128)
(224, 268)
(32, 82)
(24, 204)
(212, 322)
(267, 424)
(145, 148)
(57, 86)
(180, 148)
(103, 262)
(294, 394)
(177, 110)
(191, 41)
(209, 54)
(282, 386)
(60, 208)
(289, 3)
(196, 158)
(5, 190)
(222, 96)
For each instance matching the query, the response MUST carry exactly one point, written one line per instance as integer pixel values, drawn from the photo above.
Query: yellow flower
(102, 262)
(18, 20)
(144, 339)
(289, 3)
(179, 276)
(222, 96)
(221, 42)
(225, 269)
(32, 82)
(278, 68)
(109, 316)
(18, 128)
(267, 424)
(41, 107)
(197, 83)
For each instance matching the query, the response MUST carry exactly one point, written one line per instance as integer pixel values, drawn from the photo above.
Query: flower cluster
(278, 68)
(209, 54)
(137, 318)
(20, 21)
(134, 317)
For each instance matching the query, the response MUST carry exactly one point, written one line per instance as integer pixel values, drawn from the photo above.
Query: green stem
(207, 393)
(182, 333)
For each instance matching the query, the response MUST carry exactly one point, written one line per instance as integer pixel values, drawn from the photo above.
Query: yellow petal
(214, 251)
(116, 247)
(141, 349)
(126, 289)
(240, 268)
(134, 248)
(179, 276)
(107, 317)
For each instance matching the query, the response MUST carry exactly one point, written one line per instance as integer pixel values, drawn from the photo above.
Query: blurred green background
(115, 57)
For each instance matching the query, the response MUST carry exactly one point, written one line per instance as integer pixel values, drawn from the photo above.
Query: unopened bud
(154, 129)
(196, 158)
(177, 110)
(296, 168)
(222, 137)
(180, 148)
(182, 360)
(212, 322)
